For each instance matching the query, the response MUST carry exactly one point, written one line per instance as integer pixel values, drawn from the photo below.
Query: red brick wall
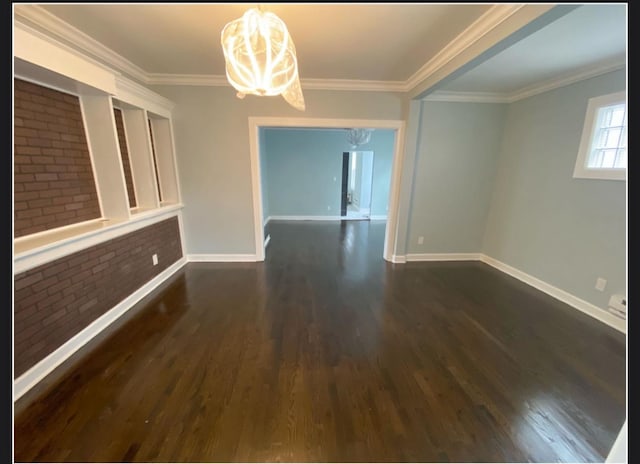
(53, 302)
(53, 179)
(124, 153)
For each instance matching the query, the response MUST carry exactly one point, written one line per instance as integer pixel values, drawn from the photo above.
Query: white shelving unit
(41, 60)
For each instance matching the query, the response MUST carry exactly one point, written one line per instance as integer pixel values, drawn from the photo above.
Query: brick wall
(53, 302)
(53, 179)
(124, 153)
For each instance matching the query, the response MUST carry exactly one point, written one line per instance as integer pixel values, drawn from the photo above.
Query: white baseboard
(38, 372)
(572, 300)
(399, 259)
(443, 257)
(378, 217)
(267, 240)
(306, 218)
(266, 221)
(221, 258)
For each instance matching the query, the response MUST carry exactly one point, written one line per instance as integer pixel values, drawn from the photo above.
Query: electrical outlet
(420, 240)
(335, 179)
(155, 259)
(601, 284)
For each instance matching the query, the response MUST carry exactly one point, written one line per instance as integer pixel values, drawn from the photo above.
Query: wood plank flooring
(325, 353)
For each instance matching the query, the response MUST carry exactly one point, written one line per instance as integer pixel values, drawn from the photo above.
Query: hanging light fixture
(357, 137)
(261, 58)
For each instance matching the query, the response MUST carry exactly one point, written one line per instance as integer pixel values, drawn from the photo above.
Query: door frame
(398, 126)
(344, 182)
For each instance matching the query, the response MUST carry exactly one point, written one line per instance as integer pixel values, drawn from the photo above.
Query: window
(603, 147)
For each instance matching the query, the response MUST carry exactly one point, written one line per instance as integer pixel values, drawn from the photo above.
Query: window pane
(609, 157)
(612, 138)
(621, 159)
(617, 116)
(595, 160)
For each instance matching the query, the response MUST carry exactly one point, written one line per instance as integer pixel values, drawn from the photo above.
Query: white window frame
(581, 170)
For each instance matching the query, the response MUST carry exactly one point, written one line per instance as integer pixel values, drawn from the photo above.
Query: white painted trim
(266, 241)
(525, 92)
(41, 255)
(208, 80)
(223, 258)
(43, 83)
(572, 300)
(34, 375)
(126, 142)
(566, 79)
(56, 60)
(399, 259)
(443, 257)
(137, 95)
(580, 170)
(183, 240)
(52, 232)
(92, 156)
(354, 85)
(479, 28)
(394, 188)
(618, 452)
(266, 221)
(88, 45)
(467, 97)
(256, 185)
(378, 217)
(307, 218)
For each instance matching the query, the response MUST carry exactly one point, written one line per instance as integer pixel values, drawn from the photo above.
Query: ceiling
(353, 41)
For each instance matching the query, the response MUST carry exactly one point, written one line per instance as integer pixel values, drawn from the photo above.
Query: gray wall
(564, 231)
(304, 170)
(456, 158)
(212, 143)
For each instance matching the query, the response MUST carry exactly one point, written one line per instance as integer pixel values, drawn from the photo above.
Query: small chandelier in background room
(261, 58)
(357, 137)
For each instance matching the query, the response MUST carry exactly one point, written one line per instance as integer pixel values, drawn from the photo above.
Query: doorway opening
(391, 197)
(357, 184)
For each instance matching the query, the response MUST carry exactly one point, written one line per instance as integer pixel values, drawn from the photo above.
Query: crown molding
(466, 97)
(213, 80)
(530, 91)
(50, 23)
(127, 87)
(479, 28)
(50, 27)
(353, 84)
(210, 80)
(561, 81)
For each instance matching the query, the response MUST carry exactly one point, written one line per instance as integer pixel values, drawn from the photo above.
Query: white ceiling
(354, 41)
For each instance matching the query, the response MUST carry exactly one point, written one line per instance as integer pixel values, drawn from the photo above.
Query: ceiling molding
(466, 97)
(479, 28)
(133, 88)
(76, 41)
(213, 80)
(63, 30)
(210, 80)
(352, 84)
(526, 92)
(567, 79)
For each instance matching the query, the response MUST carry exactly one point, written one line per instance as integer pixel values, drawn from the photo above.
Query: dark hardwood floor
(325, 352)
